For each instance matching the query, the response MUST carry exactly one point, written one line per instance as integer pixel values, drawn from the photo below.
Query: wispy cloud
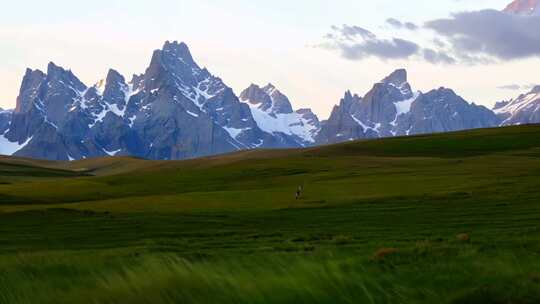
(517, 87)
(437, 57)
(356, 43)
(401, 25)
(475, 37)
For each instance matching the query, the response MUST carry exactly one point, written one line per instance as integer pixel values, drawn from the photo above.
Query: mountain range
(177, 110)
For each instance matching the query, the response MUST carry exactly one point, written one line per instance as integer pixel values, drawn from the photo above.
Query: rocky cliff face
(274, 114)
(342, 125)
(392, 108)
(174, 110)
(442, 110)
(524, 109)
(5, 120)
(178, 110)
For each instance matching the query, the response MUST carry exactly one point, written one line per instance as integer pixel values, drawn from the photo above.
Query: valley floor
(450, 218)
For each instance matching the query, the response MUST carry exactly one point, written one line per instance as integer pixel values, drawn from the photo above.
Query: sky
(312, 50)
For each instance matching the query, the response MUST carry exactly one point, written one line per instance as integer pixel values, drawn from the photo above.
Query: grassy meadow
(446, 218)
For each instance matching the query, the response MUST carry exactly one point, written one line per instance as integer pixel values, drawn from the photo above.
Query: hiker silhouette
(299, 192)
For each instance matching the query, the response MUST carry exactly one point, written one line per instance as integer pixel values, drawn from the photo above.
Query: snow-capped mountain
(392, 108)
(178, 110)
(522, 110)
(274, 114)
(524, 7)
(174, 110)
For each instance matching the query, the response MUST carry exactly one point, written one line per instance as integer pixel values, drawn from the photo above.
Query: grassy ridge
(454, 144)
(450, 217)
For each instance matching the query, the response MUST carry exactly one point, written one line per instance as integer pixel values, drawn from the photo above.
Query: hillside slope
(265, 171)
(449, 218)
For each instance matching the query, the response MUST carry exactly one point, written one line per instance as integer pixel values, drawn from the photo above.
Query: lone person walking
(299, 192)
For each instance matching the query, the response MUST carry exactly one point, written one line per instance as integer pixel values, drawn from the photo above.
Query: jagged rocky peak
(273, 113)
(173, 65)
(399, 79)
(255, 95)
(137, 81)
(29, 90)
(47, 96)
(500, 104)
(63, 89)
(65, 77)
(268, 98)
(350, 96)
(341, 125)
(521, 110)
(349, 100)
(439, 97)
(177, 109)
(116, 89)
(443, 90)
(180, 51)
(114, 77)
(174, 55)
(280, 102)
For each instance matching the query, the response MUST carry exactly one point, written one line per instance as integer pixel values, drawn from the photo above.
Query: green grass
(227, 229)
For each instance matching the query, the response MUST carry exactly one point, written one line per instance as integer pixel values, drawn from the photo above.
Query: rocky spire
(397, 78)
(29, 90)
(115, 89)
(172, 65)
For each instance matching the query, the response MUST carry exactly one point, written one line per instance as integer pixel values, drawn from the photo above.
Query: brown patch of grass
(463, 237)
(383, 253)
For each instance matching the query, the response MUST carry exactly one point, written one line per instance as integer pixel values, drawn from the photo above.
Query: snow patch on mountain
(366, 127)
(112, 153)
(404, 106)
(8, 147)
(113, 108)
(293, 124)
(522, 103)
(524, 109)
(273, 113)
(234, 132)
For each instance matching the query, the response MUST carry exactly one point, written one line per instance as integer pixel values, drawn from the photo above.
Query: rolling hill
(417, 219)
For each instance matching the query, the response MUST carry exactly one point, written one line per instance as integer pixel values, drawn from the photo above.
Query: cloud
(513, 87)
(394, 48)
(356, 43)
(517, 87)
(490, 33)
(351, 32)
(401, 25)
(439, 43)
(466, 38)
(437, 57)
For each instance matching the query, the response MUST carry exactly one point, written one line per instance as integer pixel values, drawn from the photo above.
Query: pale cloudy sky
(245, 41)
